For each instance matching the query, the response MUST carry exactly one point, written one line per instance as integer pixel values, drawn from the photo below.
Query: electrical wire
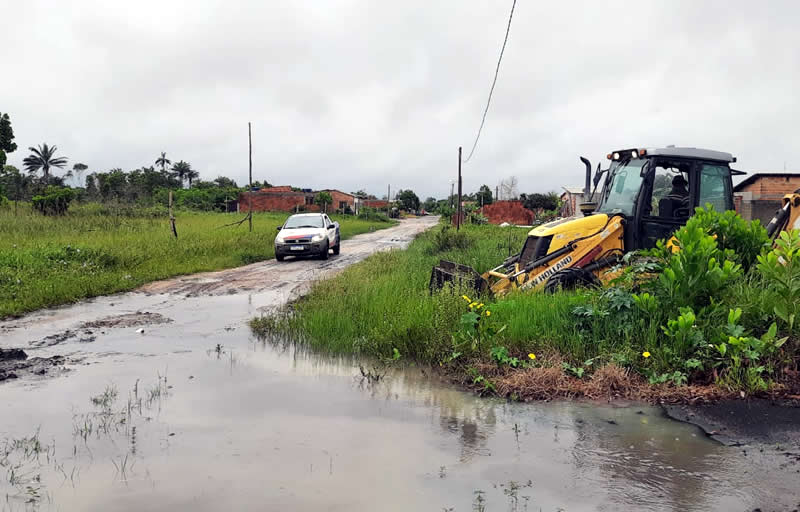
(494, 82)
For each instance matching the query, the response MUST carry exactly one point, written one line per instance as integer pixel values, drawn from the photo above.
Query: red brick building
(759, 195)
(376, 204)
(285, 199)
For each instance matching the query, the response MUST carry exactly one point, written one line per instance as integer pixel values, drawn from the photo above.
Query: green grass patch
(698, 316)
(97, 250)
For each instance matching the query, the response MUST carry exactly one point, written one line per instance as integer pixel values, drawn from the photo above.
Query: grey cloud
(359, 94)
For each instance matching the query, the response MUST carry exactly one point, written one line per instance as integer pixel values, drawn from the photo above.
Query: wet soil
(15, 364)
(128, 320)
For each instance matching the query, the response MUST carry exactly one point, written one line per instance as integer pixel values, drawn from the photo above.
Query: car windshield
(310, 221)
(622, 189)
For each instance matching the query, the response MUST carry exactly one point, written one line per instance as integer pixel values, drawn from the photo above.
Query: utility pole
(250, 193)
(452, 184)
(388, 201)
(458, 213)
(497, 192)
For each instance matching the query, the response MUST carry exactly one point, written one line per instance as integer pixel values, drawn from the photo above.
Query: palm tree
(191, 174)
(181, 169)
(42, 158)
(163, 161)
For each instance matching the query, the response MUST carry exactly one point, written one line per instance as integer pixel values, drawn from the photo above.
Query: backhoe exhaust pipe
(587, 207)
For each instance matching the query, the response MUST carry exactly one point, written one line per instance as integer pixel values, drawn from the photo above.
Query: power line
(496, 72)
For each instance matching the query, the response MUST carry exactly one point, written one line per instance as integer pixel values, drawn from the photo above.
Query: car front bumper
(314, 248)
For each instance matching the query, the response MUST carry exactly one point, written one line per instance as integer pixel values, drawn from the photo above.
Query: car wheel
(324, 254)
(337, 247)
(279, 257)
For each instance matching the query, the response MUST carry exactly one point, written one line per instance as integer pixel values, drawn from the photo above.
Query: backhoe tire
(570, 279)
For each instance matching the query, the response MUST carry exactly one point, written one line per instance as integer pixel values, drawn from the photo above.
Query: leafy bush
(781, 269)
(747, 239)
(698, 270)
(55, 201)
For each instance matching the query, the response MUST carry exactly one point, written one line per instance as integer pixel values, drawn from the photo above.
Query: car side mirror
(279, 228)
(331, 226)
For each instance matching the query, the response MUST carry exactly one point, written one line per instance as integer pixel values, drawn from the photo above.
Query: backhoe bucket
(461, 276)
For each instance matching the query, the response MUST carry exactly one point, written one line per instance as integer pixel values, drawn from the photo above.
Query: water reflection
(243, 423)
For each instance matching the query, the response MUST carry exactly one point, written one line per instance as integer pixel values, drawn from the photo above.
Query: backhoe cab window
(670, 192)
(623, 188)
(713, 187)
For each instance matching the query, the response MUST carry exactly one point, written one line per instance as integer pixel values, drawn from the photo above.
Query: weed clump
(447, 239)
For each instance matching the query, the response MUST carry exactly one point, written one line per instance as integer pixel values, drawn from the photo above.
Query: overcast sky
(353, 94)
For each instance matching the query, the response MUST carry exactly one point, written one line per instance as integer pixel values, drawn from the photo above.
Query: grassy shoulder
(711, 330)
(93, 250)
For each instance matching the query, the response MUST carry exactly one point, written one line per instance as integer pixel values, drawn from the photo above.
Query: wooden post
(458, 211)
(497, 192)
(250, 192)
(172, 217)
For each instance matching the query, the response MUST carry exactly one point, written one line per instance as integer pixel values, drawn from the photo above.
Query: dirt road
(196, 305)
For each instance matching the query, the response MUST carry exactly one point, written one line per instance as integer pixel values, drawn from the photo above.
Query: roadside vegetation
(95, 249)
(719, 317)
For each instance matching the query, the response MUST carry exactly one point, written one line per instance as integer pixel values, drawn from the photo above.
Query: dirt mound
(14, 363)
(128, 320)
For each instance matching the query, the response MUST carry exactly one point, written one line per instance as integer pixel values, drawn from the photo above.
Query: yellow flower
(532, 356)
(488, 313)
(473, 305)
(466, 298)
(479, 306)
(645, 354)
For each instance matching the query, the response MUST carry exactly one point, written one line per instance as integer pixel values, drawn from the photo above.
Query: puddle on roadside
(241, 424)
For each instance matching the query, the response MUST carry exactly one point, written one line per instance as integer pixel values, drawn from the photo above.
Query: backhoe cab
(646, 195)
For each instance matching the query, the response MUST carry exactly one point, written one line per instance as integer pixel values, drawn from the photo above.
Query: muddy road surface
(162, 399)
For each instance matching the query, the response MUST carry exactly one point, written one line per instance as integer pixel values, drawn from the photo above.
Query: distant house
(759, 195)
(342, 201)
(571, 199)
(289, 199)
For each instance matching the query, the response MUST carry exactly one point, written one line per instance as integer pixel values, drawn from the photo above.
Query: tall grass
(383, 303)
(93, 250)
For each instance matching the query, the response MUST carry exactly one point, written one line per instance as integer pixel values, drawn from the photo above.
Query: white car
(307, 234)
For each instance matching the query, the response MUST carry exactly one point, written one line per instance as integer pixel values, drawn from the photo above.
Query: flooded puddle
(233, 422)
(196, 414)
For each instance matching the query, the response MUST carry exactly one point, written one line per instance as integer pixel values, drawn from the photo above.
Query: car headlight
(317, 238)
(278, 240)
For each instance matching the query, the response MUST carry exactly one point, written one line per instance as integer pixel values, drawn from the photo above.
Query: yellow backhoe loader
(646, 195)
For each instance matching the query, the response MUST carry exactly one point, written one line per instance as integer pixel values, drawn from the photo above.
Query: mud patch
(15, 364)
(61, 337)
(128, 320)
(740, 422)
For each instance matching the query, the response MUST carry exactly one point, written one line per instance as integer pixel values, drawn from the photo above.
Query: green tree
(43, 158)
(547, 202)
(7, 144)
(225, 182)
(430, 204)
(78, 170)
(192, 175)
(163, 161)
(408, 200)
(16, 184)
(484, 195)
(323, 199)
(181, 169)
